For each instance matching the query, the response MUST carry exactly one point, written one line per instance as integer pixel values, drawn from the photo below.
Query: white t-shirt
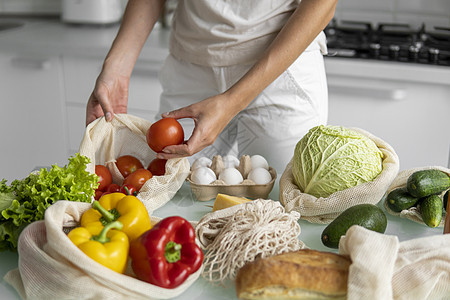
(227, 32)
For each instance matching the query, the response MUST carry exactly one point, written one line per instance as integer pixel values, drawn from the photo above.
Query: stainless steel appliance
(389, 42)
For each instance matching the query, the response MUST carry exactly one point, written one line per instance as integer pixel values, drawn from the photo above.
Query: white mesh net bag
(239, 234)
(104, 142)
(324, 210)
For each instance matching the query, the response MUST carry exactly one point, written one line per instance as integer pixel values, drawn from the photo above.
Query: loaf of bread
(303, 274)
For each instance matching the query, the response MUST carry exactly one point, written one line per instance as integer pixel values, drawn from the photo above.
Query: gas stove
(389, 42)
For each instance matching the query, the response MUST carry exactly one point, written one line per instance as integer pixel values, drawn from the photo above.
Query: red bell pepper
(166, 254)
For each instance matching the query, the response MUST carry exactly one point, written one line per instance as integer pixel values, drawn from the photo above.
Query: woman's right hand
(110, 96)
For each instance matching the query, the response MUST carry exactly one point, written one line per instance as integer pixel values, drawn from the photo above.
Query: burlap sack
(52, 267)
(412, 213)
(236, 235)
(383, 268)
(103, 142)
(324, 210)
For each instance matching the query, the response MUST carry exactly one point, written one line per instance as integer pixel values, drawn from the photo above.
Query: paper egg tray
(248, 188)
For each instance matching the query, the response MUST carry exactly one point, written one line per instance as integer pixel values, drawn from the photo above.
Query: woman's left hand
(210, 116)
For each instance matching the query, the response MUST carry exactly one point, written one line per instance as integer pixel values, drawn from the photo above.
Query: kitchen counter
(185, 205)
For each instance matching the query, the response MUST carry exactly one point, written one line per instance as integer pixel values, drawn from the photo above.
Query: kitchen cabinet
(31, 117)
(406, 106)
(80, 73)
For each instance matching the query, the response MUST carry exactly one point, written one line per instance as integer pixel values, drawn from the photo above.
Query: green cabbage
(333, 158)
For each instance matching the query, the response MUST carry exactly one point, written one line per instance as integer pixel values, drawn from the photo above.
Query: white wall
(30, 6)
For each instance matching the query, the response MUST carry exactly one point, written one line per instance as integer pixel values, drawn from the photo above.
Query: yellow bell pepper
(129, 210)
(105, 246)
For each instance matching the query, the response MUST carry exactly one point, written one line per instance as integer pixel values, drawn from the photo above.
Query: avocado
(368, 216)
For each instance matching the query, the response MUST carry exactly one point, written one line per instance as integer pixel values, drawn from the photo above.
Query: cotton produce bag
(52, 267)
(384, 268)
(103, 142)
(400, 181)
(324, 210)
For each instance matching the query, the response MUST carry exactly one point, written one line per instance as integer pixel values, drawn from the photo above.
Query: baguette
(303, 274)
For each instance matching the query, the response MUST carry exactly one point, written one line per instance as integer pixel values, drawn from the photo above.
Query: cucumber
(399, 199)
(366, 215)
(427, 182)
(431, 210)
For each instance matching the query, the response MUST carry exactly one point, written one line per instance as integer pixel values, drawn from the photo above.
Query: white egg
(259, 161)
(231, 176)
(201, 162)
(230, 161)
(260, 176)
(203, 175)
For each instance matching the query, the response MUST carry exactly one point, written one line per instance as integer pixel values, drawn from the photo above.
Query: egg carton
(247, 188)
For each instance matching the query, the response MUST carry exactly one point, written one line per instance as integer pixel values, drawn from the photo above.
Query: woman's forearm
(307, 21)
(138, 20)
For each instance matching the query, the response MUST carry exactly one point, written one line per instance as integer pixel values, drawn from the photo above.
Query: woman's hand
(210, 116)
(110, 96)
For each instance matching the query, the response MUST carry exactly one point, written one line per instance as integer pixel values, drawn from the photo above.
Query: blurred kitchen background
(388, 73)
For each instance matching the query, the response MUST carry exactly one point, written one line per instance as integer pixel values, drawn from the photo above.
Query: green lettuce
(25, 200)
(333, 158)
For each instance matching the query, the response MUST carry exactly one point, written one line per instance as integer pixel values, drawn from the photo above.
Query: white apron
(207, 58)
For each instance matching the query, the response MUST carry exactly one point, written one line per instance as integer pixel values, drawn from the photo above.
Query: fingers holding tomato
(163, 133)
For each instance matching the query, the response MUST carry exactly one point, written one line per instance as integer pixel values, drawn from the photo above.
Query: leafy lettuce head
(333, 158)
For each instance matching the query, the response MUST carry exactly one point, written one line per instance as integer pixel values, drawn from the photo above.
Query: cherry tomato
(104, 176)
(138, 178)
(98, 194)
(157, 166)
(112, 188)
(127, 164)
(128, 189)
(163, 133)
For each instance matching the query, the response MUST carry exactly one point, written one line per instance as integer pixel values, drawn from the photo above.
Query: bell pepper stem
(172, 252)
(108, 216)
(102, 238)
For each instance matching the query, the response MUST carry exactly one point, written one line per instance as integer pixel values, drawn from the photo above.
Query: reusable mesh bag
(412, 213)
(103, 142)
(324, 210)
(52, 267)
(384, 268)
(239, 234)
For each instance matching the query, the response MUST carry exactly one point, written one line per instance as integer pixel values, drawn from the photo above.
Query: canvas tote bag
(52, 267)
(104, 142)
(412, 213)
(324, 210)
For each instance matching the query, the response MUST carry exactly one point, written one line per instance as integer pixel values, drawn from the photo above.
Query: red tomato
(157, 166)
(128, 189)
(127, 164)
(112, 188)
(98, 194)
(104, 176)
(163, 133)
(138, 178)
